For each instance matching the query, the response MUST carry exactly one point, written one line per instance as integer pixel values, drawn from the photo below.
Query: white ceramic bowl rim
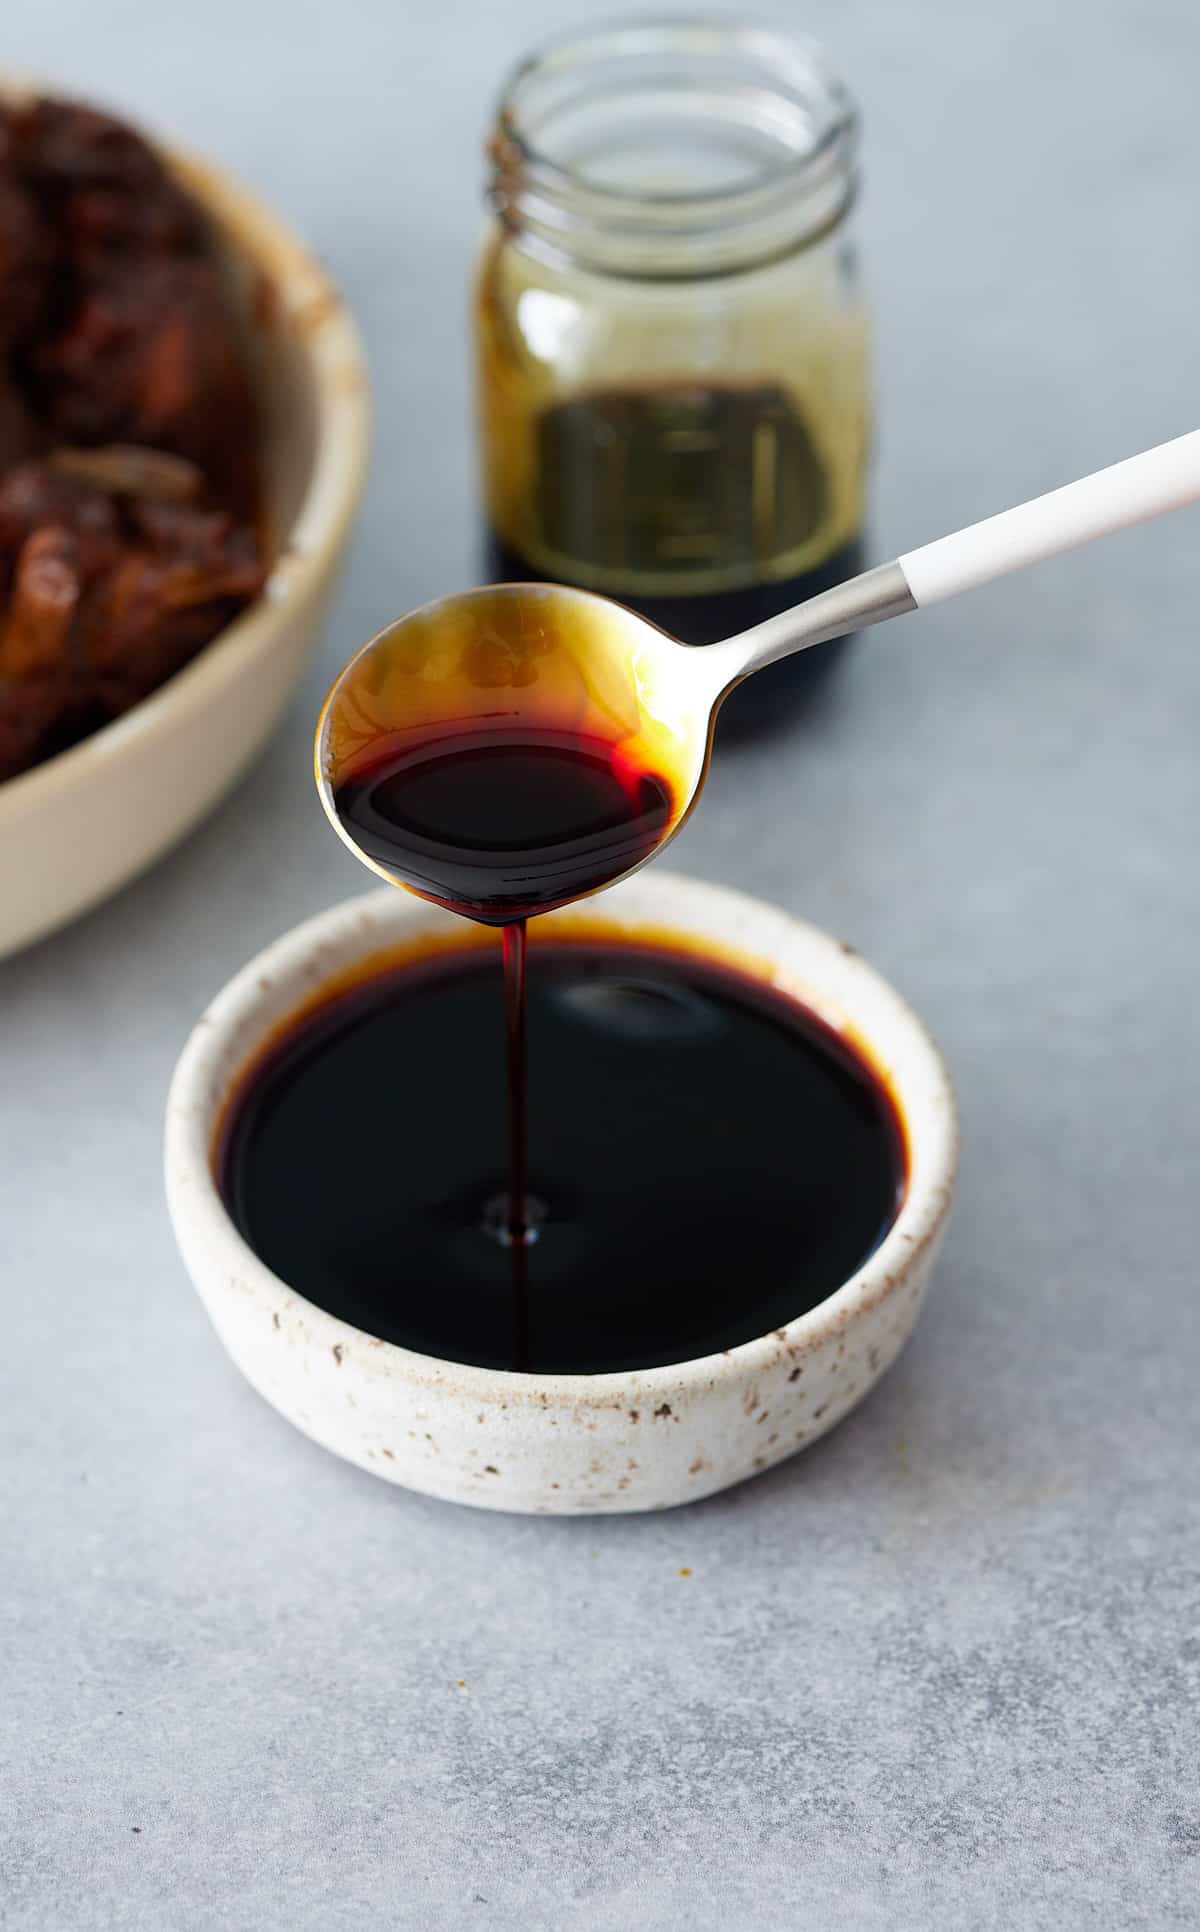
(292, 970)
(340, 414)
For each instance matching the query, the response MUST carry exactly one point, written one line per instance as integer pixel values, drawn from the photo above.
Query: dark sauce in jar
(680, 502)
(706, 1160)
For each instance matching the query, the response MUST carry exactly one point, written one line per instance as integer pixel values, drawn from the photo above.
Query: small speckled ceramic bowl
(564, 1444)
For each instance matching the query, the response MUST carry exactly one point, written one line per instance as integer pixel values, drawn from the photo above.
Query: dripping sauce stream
(514, 945)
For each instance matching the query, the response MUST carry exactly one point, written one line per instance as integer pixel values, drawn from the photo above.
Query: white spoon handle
(1142, 486)
(1165, 478)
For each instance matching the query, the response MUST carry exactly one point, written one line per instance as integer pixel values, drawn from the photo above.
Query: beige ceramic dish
(563, 1444)
(76, 828)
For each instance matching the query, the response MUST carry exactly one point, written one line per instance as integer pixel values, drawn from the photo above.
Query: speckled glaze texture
(565, 1444)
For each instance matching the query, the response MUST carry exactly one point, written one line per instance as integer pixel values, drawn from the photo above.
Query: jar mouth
(645, 146)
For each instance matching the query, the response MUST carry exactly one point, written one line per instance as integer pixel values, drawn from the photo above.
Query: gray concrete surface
(941, 1672)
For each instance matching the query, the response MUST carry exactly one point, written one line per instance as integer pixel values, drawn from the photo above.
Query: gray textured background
(942, 1671)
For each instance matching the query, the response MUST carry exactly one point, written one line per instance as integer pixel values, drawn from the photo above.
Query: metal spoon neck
(871, 598)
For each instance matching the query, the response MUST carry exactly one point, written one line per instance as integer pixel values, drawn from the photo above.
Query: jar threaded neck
(673, 150)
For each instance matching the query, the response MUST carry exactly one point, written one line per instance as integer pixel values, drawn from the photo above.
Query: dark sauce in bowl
(706, 1159)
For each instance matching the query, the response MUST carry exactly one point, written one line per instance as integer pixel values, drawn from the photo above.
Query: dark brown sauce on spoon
(499, 821)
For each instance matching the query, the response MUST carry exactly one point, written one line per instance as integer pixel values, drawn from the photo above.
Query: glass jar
(673, 376)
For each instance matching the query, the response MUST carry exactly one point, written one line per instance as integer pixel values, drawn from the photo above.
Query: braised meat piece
(151, 359)
(108, 594)
(165, 598)
(38, 684)
(128, 435)
(21, 434)
(132, 469)
(142, 349)
(26, 250)
(107, 187)
(47, 584)
(66, 145)
(36, 495)
(24, 265)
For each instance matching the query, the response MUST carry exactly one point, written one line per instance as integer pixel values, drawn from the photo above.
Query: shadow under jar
(673, 374)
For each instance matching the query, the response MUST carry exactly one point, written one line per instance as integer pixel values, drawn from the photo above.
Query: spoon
(509, 749)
